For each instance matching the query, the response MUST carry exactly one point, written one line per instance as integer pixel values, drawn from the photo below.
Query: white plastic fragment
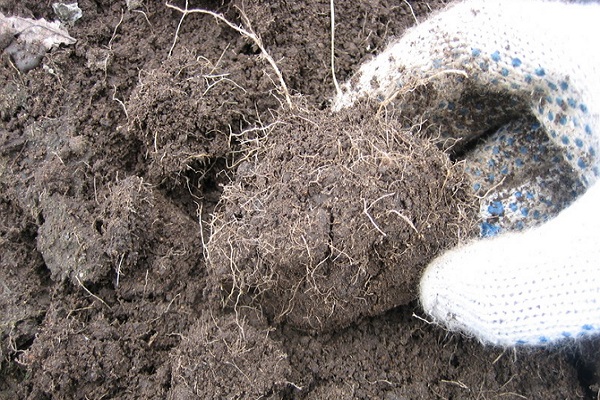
(68, 14)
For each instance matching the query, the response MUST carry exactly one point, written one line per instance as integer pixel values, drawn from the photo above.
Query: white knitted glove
(542, 284)
(535, 287)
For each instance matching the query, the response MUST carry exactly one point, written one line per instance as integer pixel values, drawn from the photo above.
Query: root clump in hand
(334, 218)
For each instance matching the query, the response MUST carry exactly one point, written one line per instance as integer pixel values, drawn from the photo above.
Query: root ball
(335, 217)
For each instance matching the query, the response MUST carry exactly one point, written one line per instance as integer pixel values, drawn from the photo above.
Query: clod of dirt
(134, 223)
(71, 247)
(173, 143)
(23, 285)
(336, 218)
(222, 357)
(140, 226)
(26, 56)
(185, 112)
(128, 257)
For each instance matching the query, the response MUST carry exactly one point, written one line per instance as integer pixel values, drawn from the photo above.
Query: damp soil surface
(171, 228)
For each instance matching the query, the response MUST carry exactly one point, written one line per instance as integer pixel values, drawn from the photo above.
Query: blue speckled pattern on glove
(538, 62)
(522, 178)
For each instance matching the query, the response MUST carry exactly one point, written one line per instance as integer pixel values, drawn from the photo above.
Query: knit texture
(534, 60)
(532, 288)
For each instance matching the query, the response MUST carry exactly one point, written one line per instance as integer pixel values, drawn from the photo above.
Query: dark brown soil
(333, 217)
(115, 156)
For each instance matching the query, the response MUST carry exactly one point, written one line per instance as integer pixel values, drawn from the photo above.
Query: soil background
(114, 154)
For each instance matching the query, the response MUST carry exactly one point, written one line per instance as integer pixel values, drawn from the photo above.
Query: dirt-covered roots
(88, 242)
(335, 219)
(186, 111)
(225, 357)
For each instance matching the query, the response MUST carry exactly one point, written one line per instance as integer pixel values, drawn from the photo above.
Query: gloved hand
(537, 63)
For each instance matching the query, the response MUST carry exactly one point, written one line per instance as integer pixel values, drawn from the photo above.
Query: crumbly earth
(333, 217)
(115, 154)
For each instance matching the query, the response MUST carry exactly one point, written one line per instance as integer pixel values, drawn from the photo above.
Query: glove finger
(525, 288)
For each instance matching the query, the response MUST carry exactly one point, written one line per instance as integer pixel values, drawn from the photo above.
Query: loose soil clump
(226, 357)
(334, 217)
